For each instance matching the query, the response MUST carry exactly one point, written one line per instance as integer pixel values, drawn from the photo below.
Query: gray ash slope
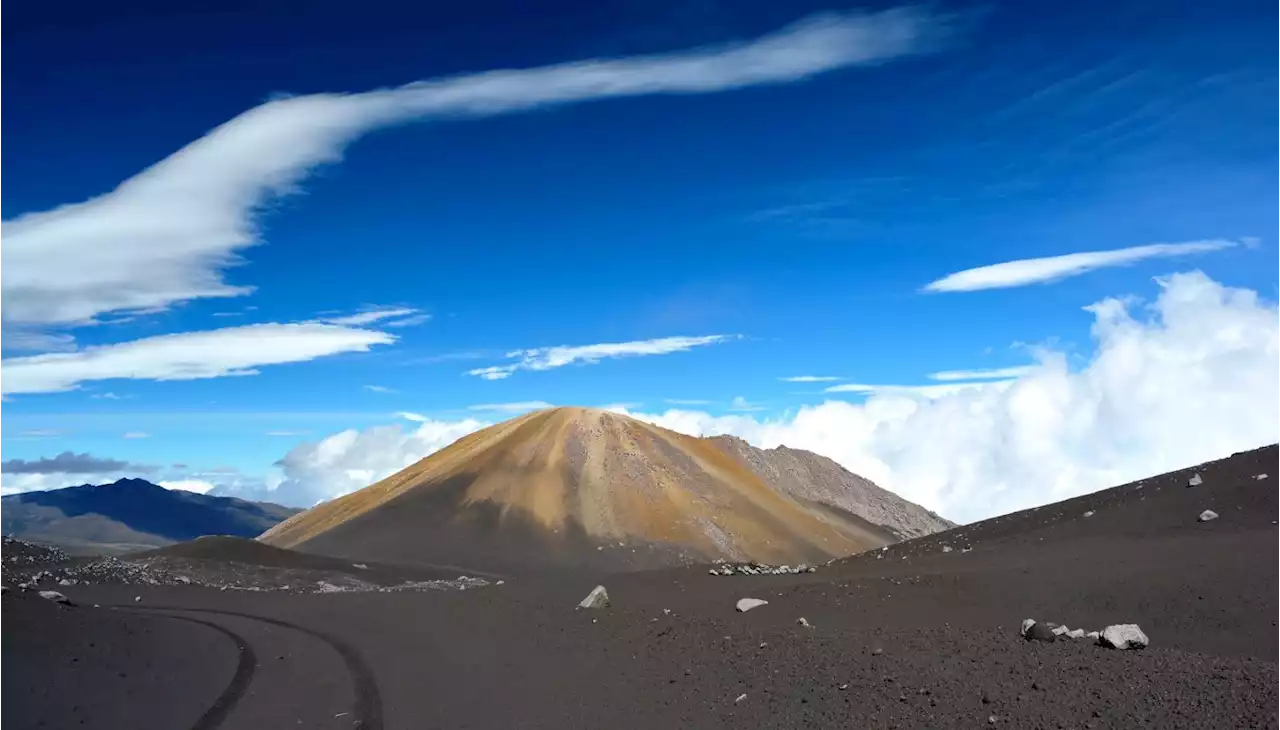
(816, 478)
(131, 514)
(910, 637)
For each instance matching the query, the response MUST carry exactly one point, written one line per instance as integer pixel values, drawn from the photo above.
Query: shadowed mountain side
(816, 478)
(577, 488)
(131, 514)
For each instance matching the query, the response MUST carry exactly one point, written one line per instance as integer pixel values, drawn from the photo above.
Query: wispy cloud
(1053, 268)
(922, 391)
(286, 434)
(742, 405)
(686, 402)
(71, 463)
(136, 435)
(388, 316)
(991, 374)
(198, 204)
(517, 407)
(809, 379)
(186, 356)
(411, 416)
(108, 396)
(449, 357)
(41, 433)
(379, 389)
(546, 358)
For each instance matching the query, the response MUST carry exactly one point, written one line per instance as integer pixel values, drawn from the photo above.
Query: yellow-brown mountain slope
(577, 488)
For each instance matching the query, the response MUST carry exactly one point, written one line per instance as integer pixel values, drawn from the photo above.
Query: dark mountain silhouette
(131, 514)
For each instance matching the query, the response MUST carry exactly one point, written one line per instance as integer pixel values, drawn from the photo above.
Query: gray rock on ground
(1195, 480)
(1027, 623)
(746, 604)
(597, 598)
(1076, 633)
(1038, 632)
(1123, 636)
(1208, 516)
(56, 597)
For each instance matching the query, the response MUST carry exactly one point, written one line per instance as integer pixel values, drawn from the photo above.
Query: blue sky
(784, 221)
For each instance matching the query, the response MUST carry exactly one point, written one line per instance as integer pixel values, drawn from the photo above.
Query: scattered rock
(946, 548)
(183, 579)
(1076, 633)
(804, 622)
(360, 566)
(741, 697)
(1123, 636)
(1060, 630)
(877, 651)
(1260, 477)
(56, 597)
(1208, 516)
(597, 598)
(1195, 480)
(1090, 513)
(137, 599)
(746, 604)
(66, 582)
(1038, 632)
(724, 568)
(1093, 635)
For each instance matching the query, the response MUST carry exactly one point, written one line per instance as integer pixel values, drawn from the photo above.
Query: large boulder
(56, 597)
(1123, 636)
(597, 598)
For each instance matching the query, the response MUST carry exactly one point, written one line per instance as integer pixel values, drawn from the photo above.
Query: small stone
(746, 604)
(1208, 516)
(1260, 477)
(1076, 633)
(1195, 480)
(597, 598)
(56, 597)
(136, 599)
(877, 652)
(740, 698)
(843, 687)
(1123, 636)
(1060, 630)
(1027, 623)
(1040, 632)
(1090, 513)
(993, 719)
(946, 548)
(1093, 635)
(804, 622)
(183, 579)
(65, 582)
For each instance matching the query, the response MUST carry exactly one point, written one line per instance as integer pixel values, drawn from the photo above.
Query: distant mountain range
(130, 514)
(579, 488)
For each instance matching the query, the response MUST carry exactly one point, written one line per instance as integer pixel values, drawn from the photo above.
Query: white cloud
(990, 374)
(546, 358)
(286, 434)
(136, 435)
(741, 404)
(517, 407)
(918, 391)
(107, 396)
(687, 402)
(384, 390)
(809, 379)
(400, 316)
(1053, 268)
(186, 356)
(199, 486)
(351, 460)
(169, 233)
(991, 447)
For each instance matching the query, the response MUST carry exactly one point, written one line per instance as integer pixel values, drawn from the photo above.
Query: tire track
(367, 713)
(240, 681)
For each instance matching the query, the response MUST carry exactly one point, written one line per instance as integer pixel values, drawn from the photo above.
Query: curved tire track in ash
(367, 713)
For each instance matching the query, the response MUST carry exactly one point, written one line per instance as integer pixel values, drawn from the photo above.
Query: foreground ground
(923, 634)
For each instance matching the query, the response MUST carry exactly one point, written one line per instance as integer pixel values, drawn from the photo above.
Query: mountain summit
(577, 487)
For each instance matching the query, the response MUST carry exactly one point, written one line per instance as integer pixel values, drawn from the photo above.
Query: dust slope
(577, 489)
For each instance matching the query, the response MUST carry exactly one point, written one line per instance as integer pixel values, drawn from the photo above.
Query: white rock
(597, 598)
(1090, 513)
(1093, 635)
(55, 596)
(741, 697)
(946, 548)
(804, 622)
(1260, 477)
(499, 582)
(1076, 633)
(1060, 630)
(64, 582)
(746, 604)
(1027, 623)
(360, 566)
(1195, 480)
(183, 579)
(1123, 636)
(137, 599)
(1208, 516)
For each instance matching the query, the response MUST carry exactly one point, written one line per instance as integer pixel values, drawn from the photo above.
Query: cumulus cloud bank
(1192, 377)
(169, 233)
